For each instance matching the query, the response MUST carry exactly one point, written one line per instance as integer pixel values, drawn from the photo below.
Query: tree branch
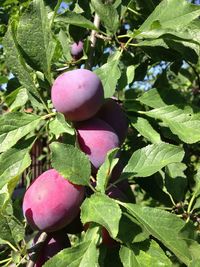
(93, 40)
(39, 244)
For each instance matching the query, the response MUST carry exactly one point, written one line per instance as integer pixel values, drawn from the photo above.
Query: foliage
(155, 43)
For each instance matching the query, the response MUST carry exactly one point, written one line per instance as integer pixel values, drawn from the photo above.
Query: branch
(196, 73)
(39, 244)
(93, 40)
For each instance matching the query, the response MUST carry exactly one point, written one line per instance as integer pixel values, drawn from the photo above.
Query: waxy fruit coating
(78, 94)
(52, 202)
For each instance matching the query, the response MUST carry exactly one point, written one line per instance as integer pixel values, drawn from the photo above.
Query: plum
(78, 94)
(112, 113)
(95, 137)
(54, 243)
(77, 50)
(52, 202)
(107, 239)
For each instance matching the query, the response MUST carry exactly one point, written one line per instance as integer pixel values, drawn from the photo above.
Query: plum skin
(52, 202)
(77, 50)
(112, 113)
(54, 243)
(95, 137)
(78, 94)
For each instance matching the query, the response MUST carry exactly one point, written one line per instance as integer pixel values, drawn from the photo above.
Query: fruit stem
(40, 243)
(48, 115)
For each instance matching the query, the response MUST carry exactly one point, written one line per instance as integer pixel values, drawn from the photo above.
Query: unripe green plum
(112, 113)
(54, 243)
(78, 94)
(95, 138)
(52, 202)
(77, 50)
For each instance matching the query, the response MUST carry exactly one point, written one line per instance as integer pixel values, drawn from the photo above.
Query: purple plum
(78, 94)
(52, 202)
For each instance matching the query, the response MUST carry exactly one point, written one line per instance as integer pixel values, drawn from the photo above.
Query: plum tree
(77, 50)
(78, 94)
(95, 138)
(54, 243)
(112, 113)
(51, 202)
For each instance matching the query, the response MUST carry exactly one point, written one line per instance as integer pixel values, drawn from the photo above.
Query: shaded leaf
(108, 15)
(34, 36)
(73, 18)
(145, 129)
(105, 170)
(182, 122)
(17, 65)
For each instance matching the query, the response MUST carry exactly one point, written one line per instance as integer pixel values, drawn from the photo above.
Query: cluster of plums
(52, 203)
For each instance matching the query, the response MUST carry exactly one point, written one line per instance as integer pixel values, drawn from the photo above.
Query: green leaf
(176, 180)
(196, 191)
(11, 230)
(164, 226)
(128, 257)
(144, 255)
(82, 255)
(153, 256)
(152, 158)
(173, 14)
(14, 126)
(130, 73)
(109, 81)
(73, 18)
(14, 161)
(182, 122)
(145, 129)
(105, 170)
(65, 43)
(130, 231)
(3, 79)
(194, 263)
(20, 99)
(157, 98)
(59, 125)
(71, 163)
(17, 65)
(102, 210)
(108, 15)
(34, 36)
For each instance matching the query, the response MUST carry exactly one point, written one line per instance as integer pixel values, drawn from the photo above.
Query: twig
(93, 40)
(40, 243)
(195, 72)
(105, 38)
